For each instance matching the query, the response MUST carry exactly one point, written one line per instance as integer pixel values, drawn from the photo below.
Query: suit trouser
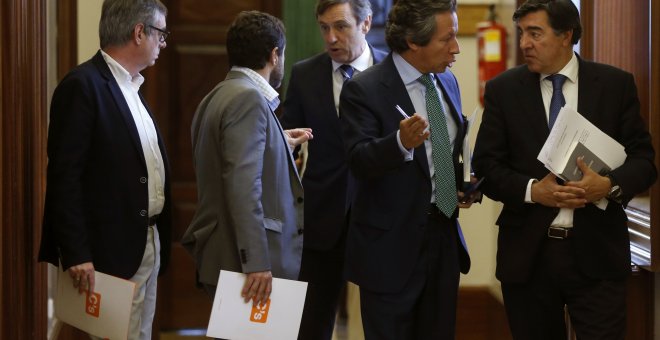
(426, 306)
(144, 300)
(323, 271)
(535, 309)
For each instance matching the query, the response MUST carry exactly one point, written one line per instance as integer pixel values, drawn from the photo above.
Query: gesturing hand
(295, 137)
(413, 131)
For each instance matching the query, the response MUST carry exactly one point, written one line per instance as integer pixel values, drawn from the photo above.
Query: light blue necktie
(444, 177)
(557, 101)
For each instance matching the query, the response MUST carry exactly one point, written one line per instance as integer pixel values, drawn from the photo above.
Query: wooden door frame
(23, 120)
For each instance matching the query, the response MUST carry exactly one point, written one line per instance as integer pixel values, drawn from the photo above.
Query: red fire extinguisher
(491, 38)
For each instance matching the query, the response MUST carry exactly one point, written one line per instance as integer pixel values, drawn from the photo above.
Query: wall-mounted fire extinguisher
(491, 38)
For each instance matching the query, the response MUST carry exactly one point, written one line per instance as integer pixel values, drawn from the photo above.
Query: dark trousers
(426, 307)
(323, 271)
(535, 309)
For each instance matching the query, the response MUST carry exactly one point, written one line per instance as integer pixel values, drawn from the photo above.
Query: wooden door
(193, 62)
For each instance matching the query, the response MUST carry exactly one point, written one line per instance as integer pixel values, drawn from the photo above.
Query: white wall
(478, 222)
(89, 14)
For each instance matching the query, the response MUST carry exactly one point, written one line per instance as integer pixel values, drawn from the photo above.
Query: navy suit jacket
(96, 195)
(328, 186)
(392, 196)
(513, 131)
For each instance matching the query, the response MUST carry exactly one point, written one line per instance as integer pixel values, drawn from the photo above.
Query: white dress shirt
(147, 131)
(417, 93)
(360, 64)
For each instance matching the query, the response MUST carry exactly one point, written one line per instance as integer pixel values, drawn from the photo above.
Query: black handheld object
(470, 190)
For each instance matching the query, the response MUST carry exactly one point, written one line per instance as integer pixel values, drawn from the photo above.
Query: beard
(277, 74)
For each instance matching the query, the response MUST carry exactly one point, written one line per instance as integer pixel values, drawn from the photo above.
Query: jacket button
(300, 199)
(143, 180)
(300, 231)
(143, 212)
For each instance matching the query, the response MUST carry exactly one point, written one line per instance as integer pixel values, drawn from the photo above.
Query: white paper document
(570, 128)
(104, 313)
(232, 318)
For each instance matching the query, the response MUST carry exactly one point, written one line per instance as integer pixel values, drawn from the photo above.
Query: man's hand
(83, 276)
(295, 137)
(547, 192)
(413, 131)
(595, 186)
(466, 202)
(257, 287)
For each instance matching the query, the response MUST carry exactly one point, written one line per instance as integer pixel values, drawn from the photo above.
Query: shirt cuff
(406, 153)
(528, 192)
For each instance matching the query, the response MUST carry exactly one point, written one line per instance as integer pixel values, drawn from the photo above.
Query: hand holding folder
(104, 312)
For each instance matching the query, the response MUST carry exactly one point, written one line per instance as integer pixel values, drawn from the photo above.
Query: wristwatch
(615, 192)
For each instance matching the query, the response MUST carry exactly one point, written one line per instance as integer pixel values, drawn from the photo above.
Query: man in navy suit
(107, 196)
(311, 101)
(405, 248)
(555, 247)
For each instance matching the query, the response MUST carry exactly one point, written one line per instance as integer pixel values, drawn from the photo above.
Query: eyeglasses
(163, 33)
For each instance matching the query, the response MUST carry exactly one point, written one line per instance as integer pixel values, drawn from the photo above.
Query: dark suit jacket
(96, 195)
(310, 103)
(392, 196)
(512, 132)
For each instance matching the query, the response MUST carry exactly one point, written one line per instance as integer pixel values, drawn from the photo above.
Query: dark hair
(251, 38)
(361, 8)
(562, 15)
(414, 20)
(119, 17)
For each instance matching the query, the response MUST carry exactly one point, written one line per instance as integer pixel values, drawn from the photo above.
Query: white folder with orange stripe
(232, 318)
(104, 313)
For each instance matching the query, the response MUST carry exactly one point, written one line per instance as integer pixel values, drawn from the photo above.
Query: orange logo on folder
(260, 312)
(93, 304)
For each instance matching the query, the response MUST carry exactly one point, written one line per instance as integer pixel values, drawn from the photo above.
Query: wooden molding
(67, 36)
(23, 132)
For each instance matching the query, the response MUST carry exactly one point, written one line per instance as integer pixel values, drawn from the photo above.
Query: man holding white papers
(250, 200)
(556, 248)
(107, 199)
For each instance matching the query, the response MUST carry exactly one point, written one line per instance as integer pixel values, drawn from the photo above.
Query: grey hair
(119, 17)
(414, 21)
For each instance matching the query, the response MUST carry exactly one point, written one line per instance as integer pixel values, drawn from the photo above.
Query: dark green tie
(445, 180)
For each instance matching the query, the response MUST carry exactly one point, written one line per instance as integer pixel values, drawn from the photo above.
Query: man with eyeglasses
(107, 196)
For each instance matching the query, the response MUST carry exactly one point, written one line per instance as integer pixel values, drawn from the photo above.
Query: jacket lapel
(589, 91)
(119, 99)
(456, 113)
(532, 106)
(395, 93)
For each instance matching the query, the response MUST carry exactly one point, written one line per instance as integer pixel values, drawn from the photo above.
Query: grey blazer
(249, 216)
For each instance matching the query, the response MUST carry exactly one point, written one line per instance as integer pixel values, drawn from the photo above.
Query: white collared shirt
(361, 63)
(146, 130)
(271, 95)
(417, 93)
